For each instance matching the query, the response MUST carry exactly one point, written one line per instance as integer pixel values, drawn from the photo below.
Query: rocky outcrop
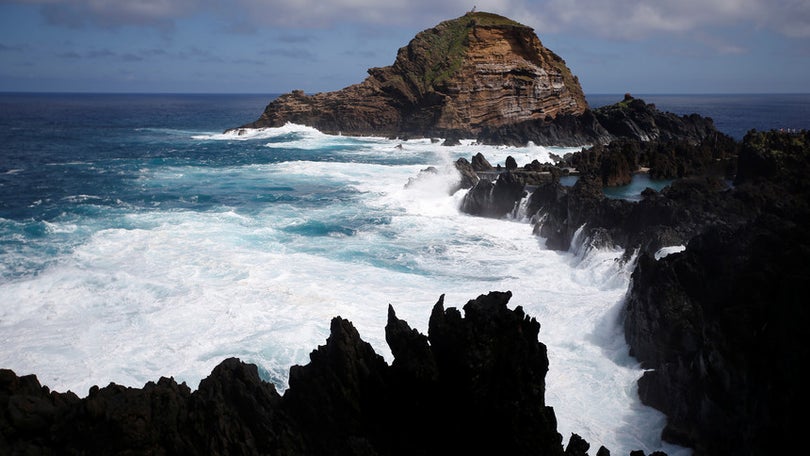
(467, 172)
(720, 325)
(630, 118)
(493, 199)
(616, 162)
(474, 385)
(670, 217)
(474, 72)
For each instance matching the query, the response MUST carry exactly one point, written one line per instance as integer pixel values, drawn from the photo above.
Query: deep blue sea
(138, 240)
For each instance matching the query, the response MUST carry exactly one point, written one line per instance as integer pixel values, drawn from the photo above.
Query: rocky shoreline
(474, 385)
(718, 324)
(630, 118)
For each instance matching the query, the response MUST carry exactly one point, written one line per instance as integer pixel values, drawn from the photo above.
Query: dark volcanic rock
(468, 175)
(720, 324)
(235, 412)
(480, 163)
(475, 385)
(714, 156)
(616, 162)
(563, 130)
(672, 217)
(630, 118)
(340, 399)
(496, 199)
(565, 211)
(493, 378)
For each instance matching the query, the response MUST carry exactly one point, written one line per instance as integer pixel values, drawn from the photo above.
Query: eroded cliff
(479, 70)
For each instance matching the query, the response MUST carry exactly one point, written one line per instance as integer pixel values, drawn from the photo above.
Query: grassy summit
(476, 71)
(440, 51)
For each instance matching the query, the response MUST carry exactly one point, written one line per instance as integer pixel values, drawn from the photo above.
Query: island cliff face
(479, 70)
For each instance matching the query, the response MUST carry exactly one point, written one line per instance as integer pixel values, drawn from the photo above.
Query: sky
(275, 46)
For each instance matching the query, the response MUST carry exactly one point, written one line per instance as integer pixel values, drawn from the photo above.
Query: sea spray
(183, 249)
(520, 212)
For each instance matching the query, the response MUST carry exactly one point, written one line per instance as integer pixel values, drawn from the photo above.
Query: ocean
(137, 241)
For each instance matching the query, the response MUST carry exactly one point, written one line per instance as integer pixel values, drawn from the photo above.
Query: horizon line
(68, 92)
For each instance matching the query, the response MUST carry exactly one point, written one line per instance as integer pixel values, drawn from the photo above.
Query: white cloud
(314, 13)
(632, 19)
(115, 13)
(616, 19)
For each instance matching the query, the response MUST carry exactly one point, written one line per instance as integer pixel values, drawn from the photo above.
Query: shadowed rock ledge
(721, 325)
(474, 385)
(630, 119)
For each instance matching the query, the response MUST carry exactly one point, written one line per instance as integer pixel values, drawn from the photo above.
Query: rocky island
(477, 71)
(479, 76)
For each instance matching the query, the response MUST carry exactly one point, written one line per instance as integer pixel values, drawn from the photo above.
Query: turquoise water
(632, 191)
(629, 192)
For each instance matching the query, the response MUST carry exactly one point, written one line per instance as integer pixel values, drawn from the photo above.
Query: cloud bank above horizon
(614, 19)
(274, 45)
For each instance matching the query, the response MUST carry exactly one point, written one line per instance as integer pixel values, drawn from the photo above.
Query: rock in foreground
(475, 385)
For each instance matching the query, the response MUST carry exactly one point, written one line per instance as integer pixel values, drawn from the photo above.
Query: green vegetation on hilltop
(490, 19)
(443, 47)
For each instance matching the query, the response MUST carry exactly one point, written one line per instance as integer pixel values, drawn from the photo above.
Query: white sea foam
(173, 292)
(665, 251)
(250, 134)
(294, 136)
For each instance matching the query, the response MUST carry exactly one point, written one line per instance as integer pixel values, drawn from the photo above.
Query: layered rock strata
(474, 72)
